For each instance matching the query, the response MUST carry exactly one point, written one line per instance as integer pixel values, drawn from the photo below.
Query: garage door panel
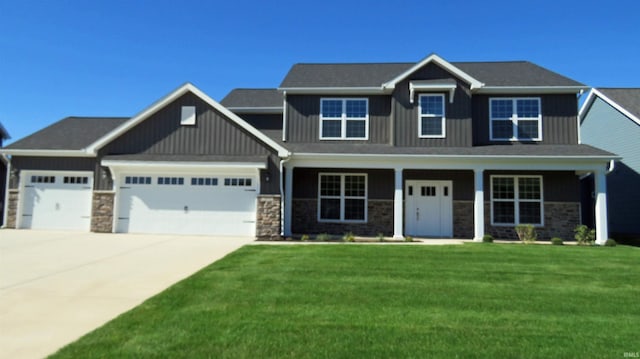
(57, 205)
(187, 209)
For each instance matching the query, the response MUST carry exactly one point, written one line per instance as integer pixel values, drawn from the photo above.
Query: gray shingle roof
(71, 133)
(511, 73)
(628, 98)
(243, 98)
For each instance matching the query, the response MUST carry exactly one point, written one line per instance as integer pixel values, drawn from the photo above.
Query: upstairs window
(344, 119)
(431, 120)
(515, 119)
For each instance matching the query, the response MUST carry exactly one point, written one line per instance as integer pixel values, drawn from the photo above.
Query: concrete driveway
(57, 286)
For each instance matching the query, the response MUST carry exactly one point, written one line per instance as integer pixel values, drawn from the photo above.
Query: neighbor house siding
(458, 113)
(559, 119)
(303, 119)
(606, 128)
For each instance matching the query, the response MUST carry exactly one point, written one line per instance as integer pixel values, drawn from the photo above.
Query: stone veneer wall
(102, 212)
(560, 219)
(380, 219)
(268, 217)
(463, 219)
(12, 208)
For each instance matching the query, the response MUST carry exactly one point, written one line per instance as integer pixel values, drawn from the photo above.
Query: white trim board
(442, 63)
(591, 98)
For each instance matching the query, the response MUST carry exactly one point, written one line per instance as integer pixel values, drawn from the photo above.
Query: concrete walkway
(57, 286)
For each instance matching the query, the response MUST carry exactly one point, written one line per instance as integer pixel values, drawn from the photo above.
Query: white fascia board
(572, 163)
(183, 165)
(413, 87)
(595, 92)
(188, 87)
(586, 104)
(523, 90)
(335, 90)
(47, 153)
(258, 110)
(442, 63)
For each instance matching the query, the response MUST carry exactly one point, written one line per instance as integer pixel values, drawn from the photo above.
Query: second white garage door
(213, 205)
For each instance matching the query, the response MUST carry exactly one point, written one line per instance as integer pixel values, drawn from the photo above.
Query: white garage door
(55, 200)
(182, 204)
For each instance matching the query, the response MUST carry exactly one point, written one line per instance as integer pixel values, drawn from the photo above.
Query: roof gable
(148, 112)
(625, 100)
(433, 58)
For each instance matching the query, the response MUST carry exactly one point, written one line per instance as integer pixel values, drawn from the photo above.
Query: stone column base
(268, 217)
(102, 212)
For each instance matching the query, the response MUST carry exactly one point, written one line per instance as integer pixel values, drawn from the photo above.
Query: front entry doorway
(429, 208)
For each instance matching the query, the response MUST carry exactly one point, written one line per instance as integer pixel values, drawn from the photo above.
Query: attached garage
(56, 200)
(220, 202)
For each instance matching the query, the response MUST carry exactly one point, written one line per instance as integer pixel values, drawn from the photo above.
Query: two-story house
(427, 149)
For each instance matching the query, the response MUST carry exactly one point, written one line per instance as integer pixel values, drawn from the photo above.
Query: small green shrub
(610, 243)
(526, 233)
(584, 235)
(487, 238)
(408, 239)
(349, 237)
(324, 237)
(557, 241)
(380, 237)
(304, 238)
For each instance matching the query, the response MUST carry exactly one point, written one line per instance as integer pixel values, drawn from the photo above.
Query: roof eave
(46, 153)
(595, 93)
(523, 90)
(257, 110)
(335, 90)
(474, 83)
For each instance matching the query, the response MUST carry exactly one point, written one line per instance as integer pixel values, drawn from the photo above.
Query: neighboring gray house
(4, 135)
(610, 119)
(427, 149)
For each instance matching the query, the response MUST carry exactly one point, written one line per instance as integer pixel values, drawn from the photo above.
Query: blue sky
(114, 58)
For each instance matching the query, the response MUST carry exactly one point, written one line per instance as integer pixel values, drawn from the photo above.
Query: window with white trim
(43, 179)
(344, 118)
(188, 115)
(515, 119)
(171, 180)
(137, 180)
(516, 200)
(238, 182)
(342, 197)
(431, 118)
(75, 180)
(204, 181)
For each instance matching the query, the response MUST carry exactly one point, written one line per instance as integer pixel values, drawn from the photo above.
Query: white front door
(429, 208)
(56, 200)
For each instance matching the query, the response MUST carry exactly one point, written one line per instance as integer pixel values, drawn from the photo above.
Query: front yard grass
(394, 301)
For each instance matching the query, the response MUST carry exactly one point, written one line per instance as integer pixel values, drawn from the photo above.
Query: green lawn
(392, 301)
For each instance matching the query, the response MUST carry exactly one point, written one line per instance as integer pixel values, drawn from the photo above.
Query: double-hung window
(344, 119)
(342, 197)
(431, 121)
(516, 200)
(515, 119)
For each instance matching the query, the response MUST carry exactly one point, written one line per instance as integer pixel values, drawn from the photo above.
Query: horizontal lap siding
(458, 113)
(559, 119)
(303, 119)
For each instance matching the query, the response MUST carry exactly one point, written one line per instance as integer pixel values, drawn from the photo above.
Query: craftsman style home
(610, 119)
(427, 149)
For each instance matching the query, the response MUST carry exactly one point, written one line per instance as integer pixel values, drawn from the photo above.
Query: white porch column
(478, 205)
(398, 206)
(288, 199)
(602, 230)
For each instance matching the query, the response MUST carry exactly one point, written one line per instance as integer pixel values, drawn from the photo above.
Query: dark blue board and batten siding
(212, 135)
(559, 119)
(303, 119)
(458, 125)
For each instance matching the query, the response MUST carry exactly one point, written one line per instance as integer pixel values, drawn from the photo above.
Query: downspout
(282, 162)
(5, 210)
(612, 166)
(284, 116)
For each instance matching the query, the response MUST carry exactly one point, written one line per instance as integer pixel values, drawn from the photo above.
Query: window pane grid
(342, 197)
(515, 118)
(516, 200)
(343, 118)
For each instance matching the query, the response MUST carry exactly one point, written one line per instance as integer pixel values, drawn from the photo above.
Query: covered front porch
(437, 196)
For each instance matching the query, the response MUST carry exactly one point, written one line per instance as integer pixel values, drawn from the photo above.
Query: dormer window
(515, 119)
(431, 118)
(344, 119)
(188, 116)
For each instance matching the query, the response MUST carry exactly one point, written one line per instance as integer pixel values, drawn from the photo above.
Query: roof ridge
(97, 117)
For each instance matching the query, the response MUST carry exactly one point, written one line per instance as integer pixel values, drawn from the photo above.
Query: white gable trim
(47, 153)
(589, 101)
(442, 63)
(188, 87)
